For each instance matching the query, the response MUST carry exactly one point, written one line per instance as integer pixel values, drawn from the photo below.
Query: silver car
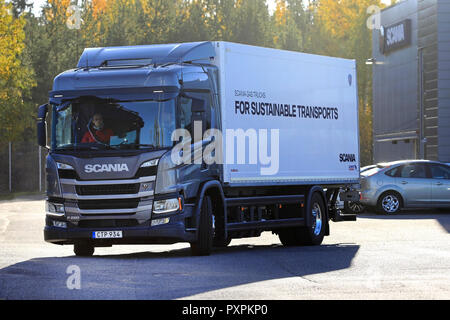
(406, 184)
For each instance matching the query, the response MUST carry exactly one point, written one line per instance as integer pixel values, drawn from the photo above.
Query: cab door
(440, 186)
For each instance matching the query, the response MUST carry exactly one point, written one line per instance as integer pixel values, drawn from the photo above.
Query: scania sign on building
(117, 167)
(395, 36)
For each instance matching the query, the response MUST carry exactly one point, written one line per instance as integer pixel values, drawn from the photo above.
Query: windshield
(99, 124)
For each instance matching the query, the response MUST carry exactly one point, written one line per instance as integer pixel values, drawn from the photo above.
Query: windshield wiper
(134, 145)
(84, 147)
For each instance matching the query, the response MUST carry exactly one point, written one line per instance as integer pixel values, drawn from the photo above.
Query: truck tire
(389, 203)
(221, 243)
(83, 249)
(307, 236)
(204, 243)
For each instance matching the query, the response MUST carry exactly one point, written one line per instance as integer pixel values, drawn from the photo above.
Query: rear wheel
(307, 236)
(203, 245)
(389, 203)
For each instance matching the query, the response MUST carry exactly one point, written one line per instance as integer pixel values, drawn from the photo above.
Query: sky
(271, 3)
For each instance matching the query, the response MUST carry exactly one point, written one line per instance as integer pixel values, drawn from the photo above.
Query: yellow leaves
(342, 17)
(280, 13)
(15, 78)
(11, 42)
(56, 10)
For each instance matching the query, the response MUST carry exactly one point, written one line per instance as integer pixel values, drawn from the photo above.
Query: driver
(97, 131)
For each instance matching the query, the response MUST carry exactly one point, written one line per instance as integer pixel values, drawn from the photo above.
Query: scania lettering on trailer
(347, 157)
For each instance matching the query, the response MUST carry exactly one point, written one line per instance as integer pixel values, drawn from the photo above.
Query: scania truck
(201, 143)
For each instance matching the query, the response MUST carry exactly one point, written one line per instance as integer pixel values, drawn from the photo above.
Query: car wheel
(389, 203)
(353, 207)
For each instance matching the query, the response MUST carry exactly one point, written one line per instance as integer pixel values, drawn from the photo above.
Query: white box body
(318, 132)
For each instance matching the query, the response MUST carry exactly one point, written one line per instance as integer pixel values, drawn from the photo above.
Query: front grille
(67, 174)
(108, 204)
(115, 223)
(108, 189)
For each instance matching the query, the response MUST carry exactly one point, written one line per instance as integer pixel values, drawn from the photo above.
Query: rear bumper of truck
(172, 232)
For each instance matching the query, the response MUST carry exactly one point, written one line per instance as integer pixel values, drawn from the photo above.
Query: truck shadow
(169, 275)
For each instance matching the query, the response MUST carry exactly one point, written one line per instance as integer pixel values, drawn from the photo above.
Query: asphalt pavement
(377, 257)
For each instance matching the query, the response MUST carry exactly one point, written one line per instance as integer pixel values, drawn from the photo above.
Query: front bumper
(176, 230)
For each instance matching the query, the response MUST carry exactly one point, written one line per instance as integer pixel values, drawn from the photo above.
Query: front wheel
(204, 243)
(83, 249)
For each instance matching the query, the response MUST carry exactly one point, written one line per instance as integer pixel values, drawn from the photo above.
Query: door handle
(404, 182)
(439, 183)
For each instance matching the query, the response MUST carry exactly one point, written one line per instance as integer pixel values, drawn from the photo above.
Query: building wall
(411, 86)
(427, 41)
(395, 97)
(443, 47)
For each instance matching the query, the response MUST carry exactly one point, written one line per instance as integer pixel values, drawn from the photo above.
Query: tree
(289, 25)
(345, 21)
(252, 23)
(16, 79)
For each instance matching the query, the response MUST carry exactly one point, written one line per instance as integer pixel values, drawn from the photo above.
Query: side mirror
(198, 105)
(42, 125)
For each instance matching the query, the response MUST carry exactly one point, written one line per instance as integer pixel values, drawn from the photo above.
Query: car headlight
(64, 166)
(55, 209)
(167, 205)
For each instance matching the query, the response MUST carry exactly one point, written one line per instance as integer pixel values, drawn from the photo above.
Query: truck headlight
(150, 163)
(64, 166)
(167, 205)
(166, 177)
(54, 209)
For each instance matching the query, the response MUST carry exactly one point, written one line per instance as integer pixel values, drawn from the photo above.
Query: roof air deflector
(158, 54)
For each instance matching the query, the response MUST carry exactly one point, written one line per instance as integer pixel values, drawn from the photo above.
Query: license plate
(107, 234)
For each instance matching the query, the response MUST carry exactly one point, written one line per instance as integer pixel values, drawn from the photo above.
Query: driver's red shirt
(101, 135)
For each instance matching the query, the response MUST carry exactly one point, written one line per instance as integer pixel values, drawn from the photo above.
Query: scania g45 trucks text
(198, 142)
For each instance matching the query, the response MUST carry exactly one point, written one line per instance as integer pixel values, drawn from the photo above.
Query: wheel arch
(212, 188)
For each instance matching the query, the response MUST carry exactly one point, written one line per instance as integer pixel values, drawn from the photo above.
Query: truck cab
(126, 180)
